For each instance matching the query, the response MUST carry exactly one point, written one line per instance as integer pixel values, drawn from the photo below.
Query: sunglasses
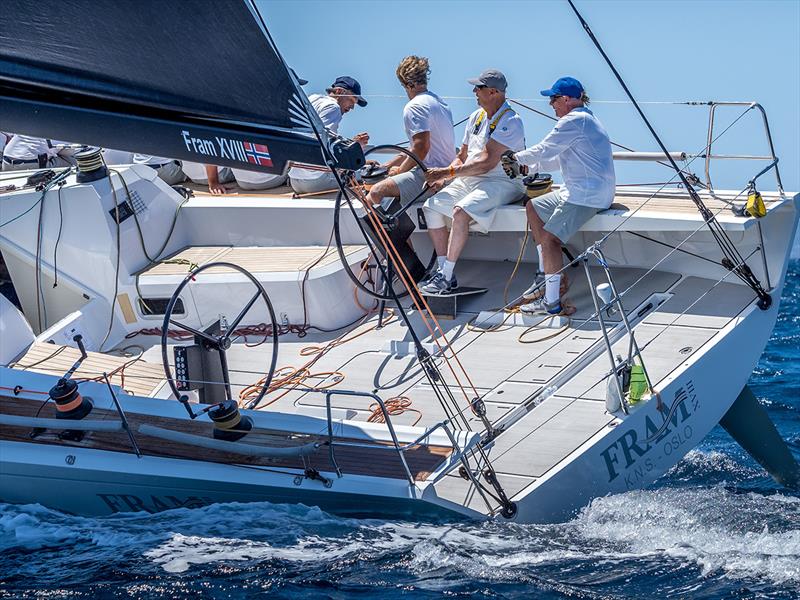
(481, 87)
(554, 98)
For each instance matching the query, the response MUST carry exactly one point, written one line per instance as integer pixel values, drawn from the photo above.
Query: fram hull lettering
(151, 503)
(632, 458)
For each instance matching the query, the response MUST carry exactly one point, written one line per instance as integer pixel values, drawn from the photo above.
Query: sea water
(715, 527)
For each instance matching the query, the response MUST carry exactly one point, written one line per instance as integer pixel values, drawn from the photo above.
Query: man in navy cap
(579, 146)
(342, 97)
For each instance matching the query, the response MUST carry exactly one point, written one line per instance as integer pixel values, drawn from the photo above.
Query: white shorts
(479, 197)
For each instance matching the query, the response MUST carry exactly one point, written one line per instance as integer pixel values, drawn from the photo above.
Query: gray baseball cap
(490, 78)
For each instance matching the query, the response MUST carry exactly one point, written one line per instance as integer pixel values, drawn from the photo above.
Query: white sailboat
(177, 351)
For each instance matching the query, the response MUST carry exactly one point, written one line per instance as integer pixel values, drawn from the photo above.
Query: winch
(91, 166)
(538, 184)
(371, 173)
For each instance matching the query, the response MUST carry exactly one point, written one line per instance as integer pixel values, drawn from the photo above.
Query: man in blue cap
(342, 97)
(579, 146)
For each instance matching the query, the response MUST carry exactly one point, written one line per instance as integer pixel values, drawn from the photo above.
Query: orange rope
(294, 378)
(409, 282)
(394, 406)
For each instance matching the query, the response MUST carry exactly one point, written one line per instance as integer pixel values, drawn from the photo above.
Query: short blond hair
(413, 70)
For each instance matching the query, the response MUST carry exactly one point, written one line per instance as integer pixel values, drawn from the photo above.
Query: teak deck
(380, 461)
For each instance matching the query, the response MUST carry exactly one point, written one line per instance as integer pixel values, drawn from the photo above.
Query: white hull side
(611, 462)
(96, 482)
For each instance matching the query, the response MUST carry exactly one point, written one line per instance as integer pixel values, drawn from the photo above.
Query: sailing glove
(510, 165)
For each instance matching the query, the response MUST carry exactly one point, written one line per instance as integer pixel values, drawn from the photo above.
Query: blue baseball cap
(351, 85)
(566, 86)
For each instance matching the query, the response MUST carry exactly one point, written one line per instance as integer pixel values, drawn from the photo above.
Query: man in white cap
(580, 147)
(479, 184)
(342, 97)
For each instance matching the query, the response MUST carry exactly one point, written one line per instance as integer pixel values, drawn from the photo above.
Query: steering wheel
(221, 343)
(403, 209)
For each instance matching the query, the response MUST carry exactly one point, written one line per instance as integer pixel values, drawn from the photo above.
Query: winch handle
(78, 339)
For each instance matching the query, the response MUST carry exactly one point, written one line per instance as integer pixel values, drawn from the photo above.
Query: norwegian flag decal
(257, 154)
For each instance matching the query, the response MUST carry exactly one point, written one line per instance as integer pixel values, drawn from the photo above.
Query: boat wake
(679, 538)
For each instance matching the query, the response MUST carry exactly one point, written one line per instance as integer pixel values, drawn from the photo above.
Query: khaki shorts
(562, 219)
(411, 184)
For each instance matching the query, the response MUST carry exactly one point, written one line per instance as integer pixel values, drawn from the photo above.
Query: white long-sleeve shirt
(26, 147)
(579, 146)
(331, 115)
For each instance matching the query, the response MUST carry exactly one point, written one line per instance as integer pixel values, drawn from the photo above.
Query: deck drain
(686, 350)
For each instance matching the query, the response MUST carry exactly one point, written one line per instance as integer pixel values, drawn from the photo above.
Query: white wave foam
(705, 464)
(733, 535)
(739, 535)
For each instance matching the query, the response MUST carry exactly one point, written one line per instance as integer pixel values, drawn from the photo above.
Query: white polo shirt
(428, 112)
(331, 115)
(508, 131)
(579, 146)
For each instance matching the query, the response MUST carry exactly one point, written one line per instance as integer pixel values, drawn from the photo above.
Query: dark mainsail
(194, 80)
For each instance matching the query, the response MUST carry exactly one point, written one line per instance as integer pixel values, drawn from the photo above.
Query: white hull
(609, 458)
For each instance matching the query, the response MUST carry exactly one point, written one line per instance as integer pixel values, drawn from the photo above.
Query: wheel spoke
(232, 327)
(205, 336)
(223, 360)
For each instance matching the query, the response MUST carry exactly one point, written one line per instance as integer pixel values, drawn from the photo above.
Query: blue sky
(665, 50)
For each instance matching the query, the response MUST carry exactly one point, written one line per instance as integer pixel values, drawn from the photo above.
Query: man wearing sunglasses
(579, 146)
(479, 185)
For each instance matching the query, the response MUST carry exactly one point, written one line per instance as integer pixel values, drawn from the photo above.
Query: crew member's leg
(171, 173)
(479, 205)
(539, 211)
(438, 209)
(386, 188)
(554, 222)
(324, 182)
(267, 184)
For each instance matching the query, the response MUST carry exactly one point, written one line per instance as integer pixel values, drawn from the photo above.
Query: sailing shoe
(426, 279)
(537, 287)
(438, 284)
(541, 307)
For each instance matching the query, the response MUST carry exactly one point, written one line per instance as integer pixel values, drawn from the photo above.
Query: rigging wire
(732, 258)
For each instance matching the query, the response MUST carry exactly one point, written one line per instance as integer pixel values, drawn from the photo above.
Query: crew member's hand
(362, 138)
(393, 171)
(436, 174)
(437, 185)
(510, 164)
(217, 189)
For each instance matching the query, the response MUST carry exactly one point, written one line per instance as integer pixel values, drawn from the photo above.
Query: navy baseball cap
(351, 85)
(566, 86)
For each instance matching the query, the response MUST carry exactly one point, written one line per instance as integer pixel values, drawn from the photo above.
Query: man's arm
(214, 186)
(482, 163)
(544, 155)
(420, 146)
